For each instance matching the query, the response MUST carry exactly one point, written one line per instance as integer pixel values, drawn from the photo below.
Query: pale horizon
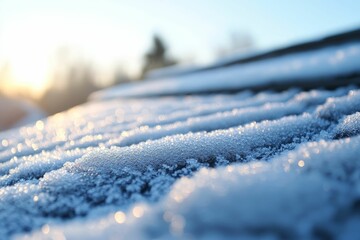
(115, 34)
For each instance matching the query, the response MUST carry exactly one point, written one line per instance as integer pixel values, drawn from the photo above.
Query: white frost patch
(307, 193)
(348, 126)
(228, 143)
(335, 108)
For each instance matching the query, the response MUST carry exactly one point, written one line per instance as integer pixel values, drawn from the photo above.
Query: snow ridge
(114, 154)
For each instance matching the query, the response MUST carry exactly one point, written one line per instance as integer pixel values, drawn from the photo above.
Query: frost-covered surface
(311, 192)
(268, 164)
(321, 64)
(349, 126)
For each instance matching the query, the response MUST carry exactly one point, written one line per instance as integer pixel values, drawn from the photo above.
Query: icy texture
(308, 193)
(349, 126)
(323, 63)
(103, 157)
(334, 108)
(242, 141)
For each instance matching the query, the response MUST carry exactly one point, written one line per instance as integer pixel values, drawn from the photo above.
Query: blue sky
(113, 32)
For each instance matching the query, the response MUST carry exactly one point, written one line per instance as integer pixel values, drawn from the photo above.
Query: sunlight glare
(30, 47)
(27, 52)
(30, 73)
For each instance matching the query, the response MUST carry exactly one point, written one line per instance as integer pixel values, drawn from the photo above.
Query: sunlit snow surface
(270, 164)
(320, 64)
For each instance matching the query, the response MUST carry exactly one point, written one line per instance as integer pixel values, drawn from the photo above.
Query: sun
(30, 46)
(29, 73)
(27, 55)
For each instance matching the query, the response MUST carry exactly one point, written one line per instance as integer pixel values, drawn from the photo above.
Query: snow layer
(349, 126)
(93, 165)
(310, 192)
(325, 63)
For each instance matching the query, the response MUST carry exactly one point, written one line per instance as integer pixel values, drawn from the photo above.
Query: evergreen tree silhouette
(157, 57)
